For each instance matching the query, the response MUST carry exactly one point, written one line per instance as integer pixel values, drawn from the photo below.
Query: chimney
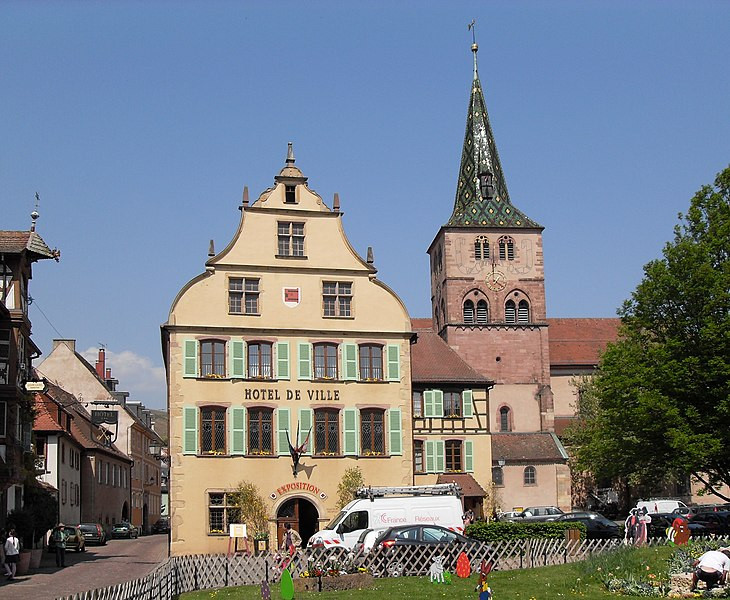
(101, 363)
(108, 374)
(71, 344)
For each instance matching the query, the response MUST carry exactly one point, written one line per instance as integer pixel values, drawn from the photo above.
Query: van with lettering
(382, 507)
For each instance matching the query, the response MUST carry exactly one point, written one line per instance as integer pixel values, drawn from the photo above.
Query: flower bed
(333, 583)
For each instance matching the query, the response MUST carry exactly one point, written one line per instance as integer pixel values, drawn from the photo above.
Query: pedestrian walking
(59, 541)
(12, 554)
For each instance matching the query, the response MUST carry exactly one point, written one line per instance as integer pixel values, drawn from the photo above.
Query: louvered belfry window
(481, 248)
(327, 431)
(523, 312)
(468, 311)
(372, 432)
(506, 248)
(213, 430)
(482, 312)
(510, 312)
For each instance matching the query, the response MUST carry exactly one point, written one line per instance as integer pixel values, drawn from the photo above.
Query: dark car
(598, 527)
(406, 535)
(93, 533)
(74, 539)
(660, 522)
(162, 525)
(124, 530)
(715, 522)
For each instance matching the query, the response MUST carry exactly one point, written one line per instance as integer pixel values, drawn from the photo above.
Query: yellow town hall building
(288, 336)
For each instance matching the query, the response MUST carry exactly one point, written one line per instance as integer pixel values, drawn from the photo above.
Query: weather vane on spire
(472, 28)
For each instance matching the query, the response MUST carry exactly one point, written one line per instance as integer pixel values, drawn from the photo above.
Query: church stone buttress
(487, 282)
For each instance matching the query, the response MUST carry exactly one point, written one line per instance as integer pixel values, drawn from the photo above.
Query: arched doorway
(125, 512)
(302, 515)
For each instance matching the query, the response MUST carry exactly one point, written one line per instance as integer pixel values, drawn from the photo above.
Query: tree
(351, 481)
(659, 405)
(251, 508)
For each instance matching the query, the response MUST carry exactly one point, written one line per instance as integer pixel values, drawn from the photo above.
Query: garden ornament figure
(485, 592)
(436, 572)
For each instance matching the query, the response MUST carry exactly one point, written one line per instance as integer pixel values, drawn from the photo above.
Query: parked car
(715, 522)
(162, 525)
(660, 522)
(365, 542)
(74, 539)
(408, 535)
(660, 505)
(510, 515)
(539, 513)
(598, 527)
(124, 529)
(93, 533)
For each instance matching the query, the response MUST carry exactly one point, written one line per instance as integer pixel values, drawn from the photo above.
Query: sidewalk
(98, 567)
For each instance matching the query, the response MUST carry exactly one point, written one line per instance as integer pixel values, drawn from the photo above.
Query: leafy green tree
(251, 508)
(351, 481)
(659, 406)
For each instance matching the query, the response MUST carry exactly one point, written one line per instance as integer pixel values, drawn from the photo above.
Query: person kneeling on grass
(712, 568)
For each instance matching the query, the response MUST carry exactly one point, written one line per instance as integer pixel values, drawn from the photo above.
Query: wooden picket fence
(181, 574)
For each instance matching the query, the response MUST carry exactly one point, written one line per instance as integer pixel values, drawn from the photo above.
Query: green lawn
(577, 580)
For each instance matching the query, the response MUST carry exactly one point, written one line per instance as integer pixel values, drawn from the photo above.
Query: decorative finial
(245, 196)
(336, 203)
(211, 249)
(474, 45)
(34, 215)
(290, 154)
(370, 259)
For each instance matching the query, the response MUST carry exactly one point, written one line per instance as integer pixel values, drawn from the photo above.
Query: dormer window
(290, 196)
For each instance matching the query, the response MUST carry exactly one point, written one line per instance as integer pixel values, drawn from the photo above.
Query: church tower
(488, 285)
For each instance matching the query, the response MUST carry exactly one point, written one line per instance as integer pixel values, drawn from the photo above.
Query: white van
(382, 507)
(660, 505)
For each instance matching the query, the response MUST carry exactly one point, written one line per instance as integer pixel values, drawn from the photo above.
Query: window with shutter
(393, 351)
(282, 360)
(282, 431)
(523, 312)
(326, 431)
(396, 435)
(466, 399)
(350, 430)
(190, 360)
(482, 312)
(260, 431)
(510, 312)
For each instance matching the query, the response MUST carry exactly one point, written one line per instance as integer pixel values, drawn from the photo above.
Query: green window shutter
(190, 361)
(282, 360)
(469, 456)
(305, 360)
(238, 430)
(430, 457)
(438, 403)
(350, 426)
(428, 410)
(237, 349)
(466, 397)
(440, 456)
(190, 430)
(393, 362)
(305, 427)
(282, 426)
(349, 354)
(396, 436)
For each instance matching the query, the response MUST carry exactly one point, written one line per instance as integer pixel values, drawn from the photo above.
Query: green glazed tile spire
(480, 155)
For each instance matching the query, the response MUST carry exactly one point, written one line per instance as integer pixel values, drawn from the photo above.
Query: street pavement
(99, 566)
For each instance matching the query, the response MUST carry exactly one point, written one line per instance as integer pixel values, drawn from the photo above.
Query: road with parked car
(117, 561)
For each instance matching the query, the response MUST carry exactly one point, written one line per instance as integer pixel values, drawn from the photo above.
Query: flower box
(333, 583)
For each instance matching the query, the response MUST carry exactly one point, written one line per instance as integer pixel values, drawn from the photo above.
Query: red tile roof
(14, 242)
(527, 447)
(580, 342)
(46, 418)
(434, 361)
(468, 484)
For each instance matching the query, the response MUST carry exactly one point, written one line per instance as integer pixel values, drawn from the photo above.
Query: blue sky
(139, 123)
